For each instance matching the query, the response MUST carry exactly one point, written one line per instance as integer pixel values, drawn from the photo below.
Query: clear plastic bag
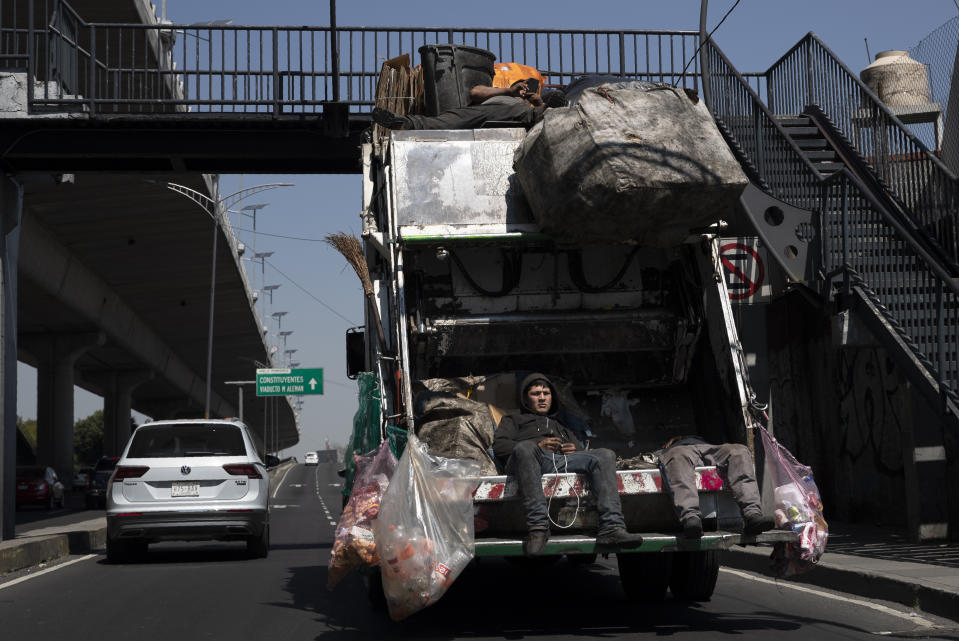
(354, 544)
(424, 531)
(798, 508)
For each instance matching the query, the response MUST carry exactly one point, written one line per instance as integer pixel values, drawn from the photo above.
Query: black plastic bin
(450, 71)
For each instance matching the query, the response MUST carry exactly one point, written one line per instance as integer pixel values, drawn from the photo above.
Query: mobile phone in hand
(532, 85)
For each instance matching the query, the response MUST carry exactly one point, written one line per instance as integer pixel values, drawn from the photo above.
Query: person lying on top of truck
(510, 104)
(533, 442)
(681, 455)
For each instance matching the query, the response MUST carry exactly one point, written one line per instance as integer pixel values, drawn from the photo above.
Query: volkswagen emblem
(185, 470)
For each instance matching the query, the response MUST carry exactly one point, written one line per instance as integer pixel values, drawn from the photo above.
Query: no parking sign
(744, 268)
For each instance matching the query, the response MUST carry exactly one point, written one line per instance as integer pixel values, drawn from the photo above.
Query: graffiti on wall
(871, 394)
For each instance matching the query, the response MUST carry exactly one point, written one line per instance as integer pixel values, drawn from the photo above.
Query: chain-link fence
(938, 52)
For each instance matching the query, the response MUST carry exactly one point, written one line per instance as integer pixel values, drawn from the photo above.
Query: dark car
(82, 479)
(96, 494)
(39, 485)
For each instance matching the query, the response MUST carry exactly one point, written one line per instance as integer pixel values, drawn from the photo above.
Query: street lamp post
(239, 389)
(214, 207)
(271, 289)
(262, 256)
(278, 317)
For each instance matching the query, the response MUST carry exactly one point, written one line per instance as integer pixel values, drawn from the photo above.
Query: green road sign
(289, 382)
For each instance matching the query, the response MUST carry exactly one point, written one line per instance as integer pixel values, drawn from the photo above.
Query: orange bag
(506, 73)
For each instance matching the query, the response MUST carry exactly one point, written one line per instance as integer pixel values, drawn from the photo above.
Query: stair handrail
(900, 229)
(874, 185)
(759, 114)
(944, 282)
(818, 187)
(811, 74)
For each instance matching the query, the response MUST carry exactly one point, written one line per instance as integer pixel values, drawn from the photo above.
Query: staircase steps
(812, 143)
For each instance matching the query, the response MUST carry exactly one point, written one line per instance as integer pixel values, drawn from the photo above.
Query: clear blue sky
(323, 296)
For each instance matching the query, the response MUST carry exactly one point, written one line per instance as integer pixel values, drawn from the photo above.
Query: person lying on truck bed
(681, 455)
(532, 442)
(487, 104)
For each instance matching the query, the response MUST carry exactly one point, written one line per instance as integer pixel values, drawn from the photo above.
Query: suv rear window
(201, 439)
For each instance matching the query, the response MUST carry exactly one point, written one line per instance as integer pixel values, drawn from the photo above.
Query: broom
(349, 246)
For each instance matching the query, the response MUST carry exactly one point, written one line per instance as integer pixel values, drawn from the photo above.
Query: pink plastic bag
(354, 544)
(798, 508)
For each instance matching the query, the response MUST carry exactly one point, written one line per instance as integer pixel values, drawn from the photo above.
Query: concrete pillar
(117, 399)
(56, 356)
(927, 481)
(11, 208)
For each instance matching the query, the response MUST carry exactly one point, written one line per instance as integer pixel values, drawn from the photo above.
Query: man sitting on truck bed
(502, 104)
(682, 454)
(532, 442)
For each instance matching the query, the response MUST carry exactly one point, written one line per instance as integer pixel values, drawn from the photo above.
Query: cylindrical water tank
(897, 79)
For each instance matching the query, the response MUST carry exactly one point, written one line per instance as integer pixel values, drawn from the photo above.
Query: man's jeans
(529, 462)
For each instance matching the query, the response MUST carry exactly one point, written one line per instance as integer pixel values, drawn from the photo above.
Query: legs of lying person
(529, 462)
(468, 117)
(680, 462)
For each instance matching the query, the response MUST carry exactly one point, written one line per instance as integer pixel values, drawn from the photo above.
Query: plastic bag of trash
(455, 427)
(798, 508)
(424, 531)
(628, 161)
(354, 544)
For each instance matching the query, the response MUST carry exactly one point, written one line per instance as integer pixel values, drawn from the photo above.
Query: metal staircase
(812, 143)
(872, 241)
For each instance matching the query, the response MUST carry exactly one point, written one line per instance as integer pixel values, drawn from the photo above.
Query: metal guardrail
(165, 68)
(862, 242)
(811, 74)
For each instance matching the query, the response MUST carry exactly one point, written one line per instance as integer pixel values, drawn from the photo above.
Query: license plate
(185, 488)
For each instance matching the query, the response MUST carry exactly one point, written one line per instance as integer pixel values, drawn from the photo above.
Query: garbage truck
(466, 294)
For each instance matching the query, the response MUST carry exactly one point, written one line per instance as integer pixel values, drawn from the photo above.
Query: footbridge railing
(161, 68)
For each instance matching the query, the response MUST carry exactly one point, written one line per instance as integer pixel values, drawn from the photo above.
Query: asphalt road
(213, 591)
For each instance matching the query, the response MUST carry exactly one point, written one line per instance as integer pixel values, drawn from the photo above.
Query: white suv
(188, 480)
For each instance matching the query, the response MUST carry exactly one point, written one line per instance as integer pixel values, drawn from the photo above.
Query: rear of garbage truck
(469, 295)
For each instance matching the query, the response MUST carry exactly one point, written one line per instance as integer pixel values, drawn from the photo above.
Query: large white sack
(629, 161)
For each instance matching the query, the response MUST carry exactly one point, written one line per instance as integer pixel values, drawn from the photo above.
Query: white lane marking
(58, 566)
(912, 617)
(326, 510)
(280, 507)
(280, 484)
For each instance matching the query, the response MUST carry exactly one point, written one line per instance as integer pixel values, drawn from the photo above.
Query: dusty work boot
(692, 527)
(536, 542)
(757, 524)
(619, 538)
(390, 120)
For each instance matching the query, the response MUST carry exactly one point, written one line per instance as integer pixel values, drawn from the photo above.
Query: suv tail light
(129, 472)
(242, 469)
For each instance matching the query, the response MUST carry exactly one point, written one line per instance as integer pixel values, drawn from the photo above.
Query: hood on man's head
(541, 379)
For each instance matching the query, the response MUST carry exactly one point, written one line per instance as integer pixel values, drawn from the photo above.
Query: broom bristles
(349, 246)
